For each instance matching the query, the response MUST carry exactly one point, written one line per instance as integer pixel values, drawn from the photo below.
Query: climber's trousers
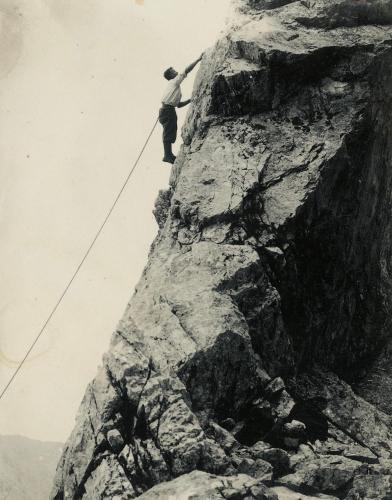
(168, 119)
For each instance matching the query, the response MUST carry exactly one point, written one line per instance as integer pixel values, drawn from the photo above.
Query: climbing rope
(109, 213)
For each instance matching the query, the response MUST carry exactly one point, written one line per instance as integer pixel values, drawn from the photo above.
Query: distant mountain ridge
(27, 467)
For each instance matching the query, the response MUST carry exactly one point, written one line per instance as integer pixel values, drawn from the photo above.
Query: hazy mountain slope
(26, 467)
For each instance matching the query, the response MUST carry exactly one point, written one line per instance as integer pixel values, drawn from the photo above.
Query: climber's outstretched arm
(183, 103)
(189, 68)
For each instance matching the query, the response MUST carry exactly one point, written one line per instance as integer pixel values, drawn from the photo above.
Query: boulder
(327, 474)
(115, 440)
(200, 486)
(278, 458)
(369, 486)
(287, 494)
(275, 387)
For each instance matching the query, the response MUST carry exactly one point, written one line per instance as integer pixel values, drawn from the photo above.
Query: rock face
(249, 355)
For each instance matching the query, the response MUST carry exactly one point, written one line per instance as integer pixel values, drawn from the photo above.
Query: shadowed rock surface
(247, 363)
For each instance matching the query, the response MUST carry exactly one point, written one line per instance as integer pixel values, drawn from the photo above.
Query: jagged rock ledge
(248, 361)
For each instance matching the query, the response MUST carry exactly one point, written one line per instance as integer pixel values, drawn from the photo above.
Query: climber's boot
(169, 156)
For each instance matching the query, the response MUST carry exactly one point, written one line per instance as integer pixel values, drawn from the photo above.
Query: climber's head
(170, 73)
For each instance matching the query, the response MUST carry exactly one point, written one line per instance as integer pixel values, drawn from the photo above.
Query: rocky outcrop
(245, 363)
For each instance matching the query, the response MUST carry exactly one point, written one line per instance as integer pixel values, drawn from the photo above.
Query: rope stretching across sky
(86, 254)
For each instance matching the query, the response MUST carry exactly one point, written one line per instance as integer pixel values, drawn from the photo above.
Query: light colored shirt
(173, 94)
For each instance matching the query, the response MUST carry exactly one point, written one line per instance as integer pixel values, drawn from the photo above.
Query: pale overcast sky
(80, 86)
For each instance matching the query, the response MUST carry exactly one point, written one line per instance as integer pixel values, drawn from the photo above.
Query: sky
(80, 88)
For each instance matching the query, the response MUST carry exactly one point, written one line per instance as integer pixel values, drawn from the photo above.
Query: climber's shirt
(172, 95)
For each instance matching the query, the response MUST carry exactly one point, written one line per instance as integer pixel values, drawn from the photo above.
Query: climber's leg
(168, 119)
(169, 156)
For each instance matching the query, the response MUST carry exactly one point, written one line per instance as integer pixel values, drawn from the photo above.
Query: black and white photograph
(196, 249)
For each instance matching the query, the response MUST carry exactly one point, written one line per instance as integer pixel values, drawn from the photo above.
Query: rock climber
(170, 101)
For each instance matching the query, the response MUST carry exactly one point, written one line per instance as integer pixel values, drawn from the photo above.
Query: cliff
(247, 363)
